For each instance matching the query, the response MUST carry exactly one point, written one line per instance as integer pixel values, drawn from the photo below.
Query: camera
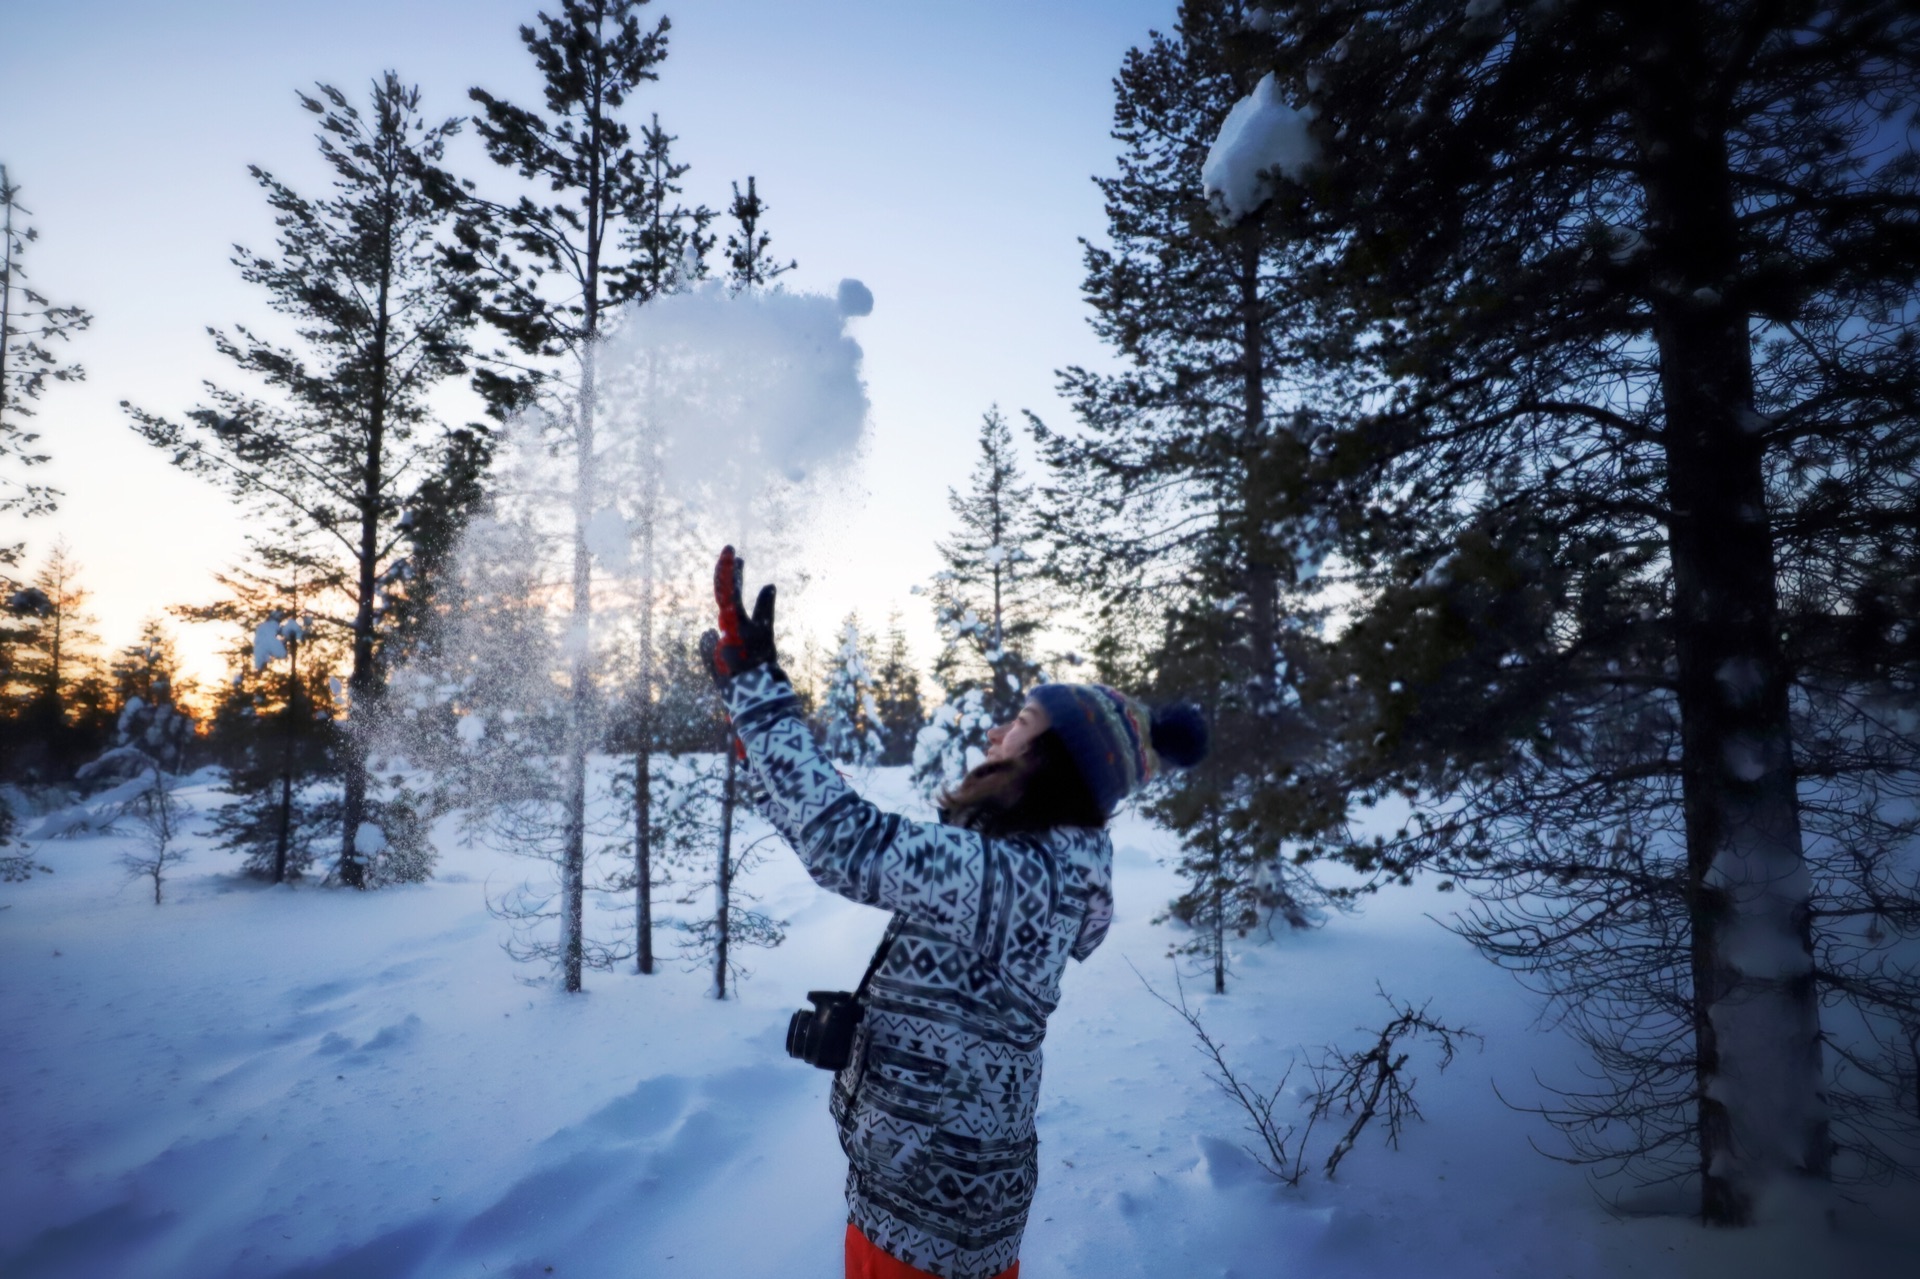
(823, 1035)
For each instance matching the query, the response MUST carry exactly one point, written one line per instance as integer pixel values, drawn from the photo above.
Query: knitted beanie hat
(1115, 742)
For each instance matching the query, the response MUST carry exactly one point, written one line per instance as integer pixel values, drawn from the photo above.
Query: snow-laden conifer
(849, 713)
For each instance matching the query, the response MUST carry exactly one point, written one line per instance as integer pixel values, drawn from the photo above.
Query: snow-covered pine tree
(1189, 508)
(274, 728)
(1623, 650)
(901, 711)
(330, 456)
(849, 714)
(29, 327)
(953, 740)
(144, 687)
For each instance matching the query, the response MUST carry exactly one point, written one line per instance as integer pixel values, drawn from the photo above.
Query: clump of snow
(1746, 758)
(1624, 244)
(1740, 679)
(268, 646)
(1262, 135)
(762, 379)
(1259, 19)
(855, 298)
(608, 538)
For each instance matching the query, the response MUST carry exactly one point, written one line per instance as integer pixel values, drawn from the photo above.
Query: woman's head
(1028, 782)
(1117, 743)
(1072, 754)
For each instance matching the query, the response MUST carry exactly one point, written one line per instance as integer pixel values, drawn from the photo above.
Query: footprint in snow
(387, 1038)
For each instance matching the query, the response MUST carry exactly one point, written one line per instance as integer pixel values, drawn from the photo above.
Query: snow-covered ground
(248, 1081)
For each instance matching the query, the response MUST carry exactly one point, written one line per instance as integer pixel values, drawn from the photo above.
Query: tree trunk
(1762, 1111)
(360, 681)
(723, 881)
(283, 836)
(579, 704)
(1219, 907)
(1263, 575)
(6, 291)
(643, 755)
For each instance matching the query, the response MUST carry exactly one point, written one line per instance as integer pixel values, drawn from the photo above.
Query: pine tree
(30, 325)
(1192, 504)
(702, 813)
(275, 726)
(952, 742)
(55, 662)
(382, 322)
(986, 600)
(148, 714)
(850, 715)
(748, 263)
(554, 274)
(899, 709)
(670, 242)
(1623, 304)
(422, 584)
(733, 920)
(682, 717)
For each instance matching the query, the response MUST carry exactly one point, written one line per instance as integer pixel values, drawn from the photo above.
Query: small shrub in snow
(156, 849)
(1360, 1086)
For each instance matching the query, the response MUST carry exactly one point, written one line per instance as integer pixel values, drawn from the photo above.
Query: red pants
(865, 1261)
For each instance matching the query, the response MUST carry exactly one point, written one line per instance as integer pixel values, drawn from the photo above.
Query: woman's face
(1009, 741)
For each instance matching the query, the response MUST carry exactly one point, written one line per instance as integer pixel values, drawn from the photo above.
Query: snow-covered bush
(954, 740)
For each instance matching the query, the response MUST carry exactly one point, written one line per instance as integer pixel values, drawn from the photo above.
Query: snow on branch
(1262, 136)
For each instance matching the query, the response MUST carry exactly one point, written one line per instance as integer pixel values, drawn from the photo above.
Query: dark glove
(742, 642)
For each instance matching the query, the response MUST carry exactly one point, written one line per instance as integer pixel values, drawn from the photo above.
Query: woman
(935, 1106)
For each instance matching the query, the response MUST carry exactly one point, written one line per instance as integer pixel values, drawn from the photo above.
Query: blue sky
(940, 151)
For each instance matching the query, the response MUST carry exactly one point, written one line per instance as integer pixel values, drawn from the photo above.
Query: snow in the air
(855, 298)
(608, 538)
(1261, 135)
(261, 1083)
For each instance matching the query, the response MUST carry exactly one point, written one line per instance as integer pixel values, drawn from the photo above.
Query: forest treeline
(1529, 456)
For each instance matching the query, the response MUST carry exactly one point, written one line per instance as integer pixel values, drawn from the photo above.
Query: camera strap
(879, 958)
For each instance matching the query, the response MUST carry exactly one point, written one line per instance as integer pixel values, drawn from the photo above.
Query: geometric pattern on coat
(935, 1105)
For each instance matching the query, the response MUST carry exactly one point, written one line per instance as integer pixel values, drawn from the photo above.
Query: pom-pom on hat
(1116, 742)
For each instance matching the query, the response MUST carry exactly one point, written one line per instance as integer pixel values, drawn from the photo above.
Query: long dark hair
(1036, 792)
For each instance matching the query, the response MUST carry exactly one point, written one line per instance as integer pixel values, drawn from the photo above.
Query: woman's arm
(954, 881)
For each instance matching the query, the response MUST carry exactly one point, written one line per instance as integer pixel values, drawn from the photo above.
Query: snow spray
(718, 416)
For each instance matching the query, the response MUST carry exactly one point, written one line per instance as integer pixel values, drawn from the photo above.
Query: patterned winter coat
(935, 1107)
